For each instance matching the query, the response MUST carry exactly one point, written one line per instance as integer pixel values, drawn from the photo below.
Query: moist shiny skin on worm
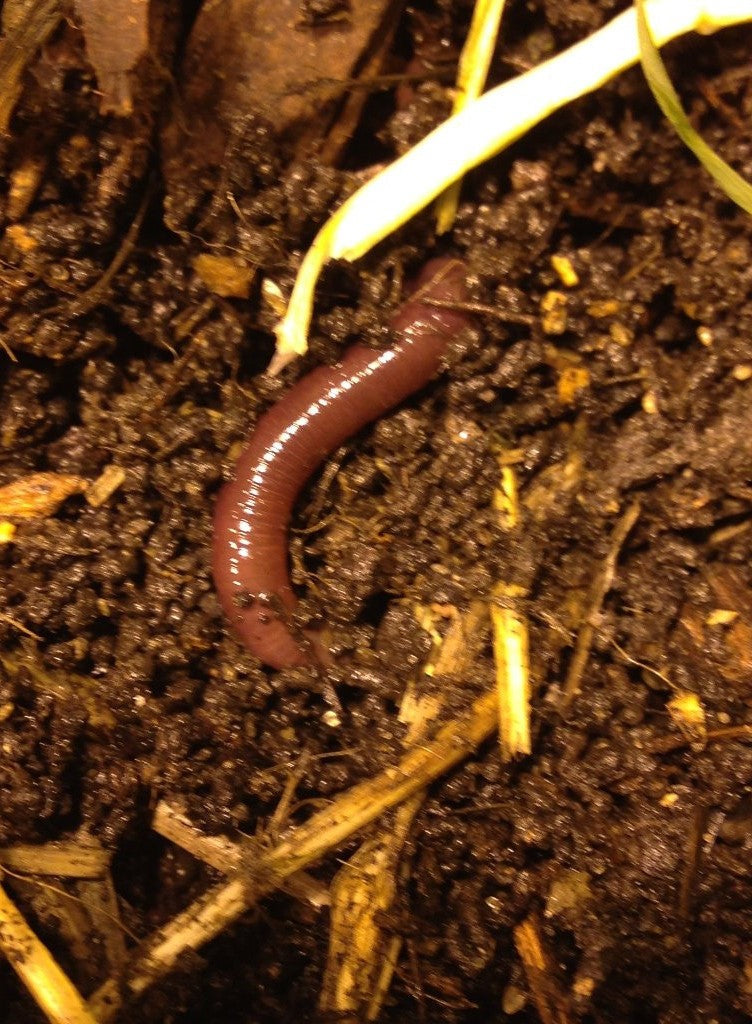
(290, 441)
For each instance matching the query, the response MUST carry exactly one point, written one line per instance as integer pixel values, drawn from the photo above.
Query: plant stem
(475, 61)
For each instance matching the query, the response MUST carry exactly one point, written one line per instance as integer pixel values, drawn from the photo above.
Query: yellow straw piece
(53, 991)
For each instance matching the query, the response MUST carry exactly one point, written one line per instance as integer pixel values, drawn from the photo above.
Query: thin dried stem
(601, 586)
(51, 988)
(302, 846)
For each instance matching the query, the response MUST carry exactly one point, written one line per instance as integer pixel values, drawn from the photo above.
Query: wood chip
(688, 715)
(553, 308)
(38, 495)
(24, 181)
(565, 270)
(571, 380)
(229, 278)
(105, 485)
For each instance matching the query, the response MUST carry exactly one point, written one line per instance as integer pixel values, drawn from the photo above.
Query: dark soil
(625, 836)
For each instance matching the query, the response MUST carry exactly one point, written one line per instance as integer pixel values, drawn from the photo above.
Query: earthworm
(293, 438)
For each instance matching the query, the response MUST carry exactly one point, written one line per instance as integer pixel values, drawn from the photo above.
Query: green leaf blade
(732, 183)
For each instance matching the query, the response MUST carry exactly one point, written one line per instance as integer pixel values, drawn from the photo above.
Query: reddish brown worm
(293, 438)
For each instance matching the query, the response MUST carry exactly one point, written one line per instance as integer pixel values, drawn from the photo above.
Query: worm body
(293, 438)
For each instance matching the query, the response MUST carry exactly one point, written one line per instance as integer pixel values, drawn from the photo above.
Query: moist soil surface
(604, 876)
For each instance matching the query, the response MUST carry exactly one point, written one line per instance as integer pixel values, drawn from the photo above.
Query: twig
(224, 855)
(363, 953)
(218, 852)
(504, 315)
(727, 734)
(302, 846)
(92, 297)
(548, 993)
(66, 859)
(510, 633)
(730, 732)
(600, 587)
(19, 626)
(50, 987)
(282, 811)
(692, 861)
(511, 658)
(342, 130)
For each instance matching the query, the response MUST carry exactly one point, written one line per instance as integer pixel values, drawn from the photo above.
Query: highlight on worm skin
(290, 441)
